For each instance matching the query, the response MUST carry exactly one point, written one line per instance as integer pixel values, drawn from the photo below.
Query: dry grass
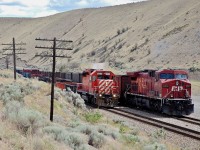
(70, 129)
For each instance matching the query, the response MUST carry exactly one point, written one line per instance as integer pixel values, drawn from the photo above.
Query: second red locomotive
(167, 91)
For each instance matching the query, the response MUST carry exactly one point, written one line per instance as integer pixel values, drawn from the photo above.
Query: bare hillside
(152, 34)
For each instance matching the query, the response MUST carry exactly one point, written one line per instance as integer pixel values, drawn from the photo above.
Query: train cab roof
(136, 73)
(173, 71)
(95, 71)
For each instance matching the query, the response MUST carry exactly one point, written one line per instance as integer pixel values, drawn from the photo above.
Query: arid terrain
(151, 34)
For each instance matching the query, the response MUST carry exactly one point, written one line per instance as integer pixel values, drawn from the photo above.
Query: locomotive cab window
(92, 78)
(103, 76)
(181, 76)
(166, 76)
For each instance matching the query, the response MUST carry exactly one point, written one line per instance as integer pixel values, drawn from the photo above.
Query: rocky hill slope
(151, 34)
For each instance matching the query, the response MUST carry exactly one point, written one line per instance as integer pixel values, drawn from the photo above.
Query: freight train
(167, 91)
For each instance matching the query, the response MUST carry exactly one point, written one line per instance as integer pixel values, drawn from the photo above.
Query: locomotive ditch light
(114, 95)
(100, 95)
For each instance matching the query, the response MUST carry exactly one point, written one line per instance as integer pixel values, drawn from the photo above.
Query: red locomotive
(94, 86)
(98, 87)
(167, 91)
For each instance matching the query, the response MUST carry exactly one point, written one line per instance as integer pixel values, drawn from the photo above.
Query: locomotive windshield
(172, 76)
(181, 76)
(105, 75)
(166, 76)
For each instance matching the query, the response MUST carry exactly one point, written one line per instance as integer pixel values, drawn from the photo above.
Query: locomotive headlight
(177, 83)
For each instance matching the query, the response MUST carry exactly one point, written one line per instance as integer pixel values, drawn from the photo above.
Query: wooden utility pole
(7, 62)
(13, 49)
(54, 48)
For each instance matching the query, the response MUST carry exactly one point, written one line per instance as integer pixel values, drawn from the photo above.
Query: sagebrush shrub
(107, 131)
(25, 119)
(155, 146)
(5, 75)
(96, 139)
(55, 132)
(29, 120)
(11, 110)
(73, 140)
(131, 139)
(38, 144)
(15, 91)
(73, 98)
(74, 123)
(86, 129)
(61, 135)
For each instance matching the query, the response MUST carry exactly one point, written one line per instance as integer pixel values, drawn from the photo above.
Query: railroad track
(157, 123)
(190, 120)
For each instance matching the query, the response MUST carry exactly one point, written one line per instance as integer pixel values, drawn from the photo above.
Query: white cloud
(29, 3)
(40, 8)
(14, 10)
(119, 2)
(82, 2)
(25, 8)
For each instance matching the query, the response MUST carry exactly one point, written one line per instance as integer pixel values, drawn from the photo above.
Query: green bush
(160, 133)
(96, 139)
(123, 128)
(93, 117)
(131, 139)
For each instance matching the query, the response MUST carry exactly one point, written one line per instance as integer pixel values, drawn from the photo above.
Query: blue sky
(40, 8)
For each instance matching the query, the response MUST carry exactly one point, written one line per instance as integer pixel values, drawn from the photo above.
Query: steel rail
(189, 120)
(157, 123)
